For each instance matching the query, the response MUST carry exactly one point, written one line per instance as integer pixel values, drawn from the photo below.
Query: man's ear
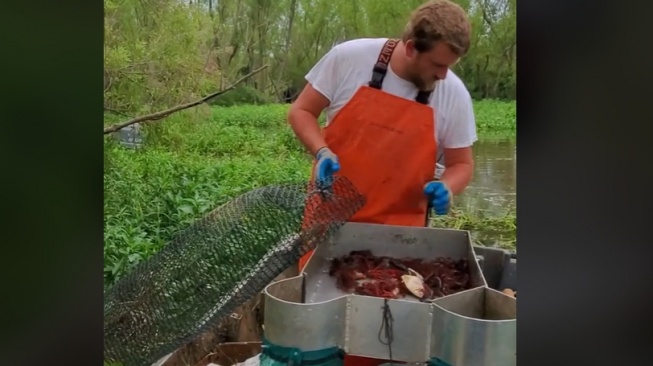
(409, 45)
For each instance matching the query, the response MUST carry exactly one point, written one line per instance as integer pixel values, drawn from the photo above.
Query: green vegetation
(165, 53)
(495, 117)
(198, 159)
(161, 54)
(486, 230)
(158, 55)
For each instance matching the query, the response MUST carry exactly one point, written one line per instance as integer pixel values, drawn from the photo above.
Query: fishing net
(216, 265)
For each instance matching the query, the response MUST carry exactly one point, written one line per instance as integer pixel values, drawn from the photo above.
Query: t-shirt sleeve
(461, 124)
(324, 75)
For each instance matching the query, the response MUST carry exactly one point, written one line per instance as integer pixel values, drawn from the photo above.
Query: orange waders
(386, 147)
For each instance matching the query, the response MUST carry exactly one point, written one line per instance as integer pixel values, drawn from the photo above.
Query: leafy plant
(194, 161)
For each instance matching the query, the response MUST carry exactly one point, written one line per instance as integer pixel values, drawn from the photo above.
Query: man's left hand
(439, 196)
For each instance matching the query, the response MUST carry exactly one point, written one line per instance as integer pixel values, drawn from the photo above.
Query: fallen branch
(162, 114)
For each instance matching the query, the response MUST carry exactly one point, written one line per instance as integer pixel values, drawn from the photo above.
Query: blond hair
(439, 20)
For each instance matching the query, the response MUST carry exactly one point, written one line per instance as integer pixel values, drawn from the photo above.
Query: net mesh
(217, 264)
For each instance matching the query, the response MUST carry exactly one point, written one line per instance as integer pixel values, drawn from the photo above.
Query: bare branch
(162, 114)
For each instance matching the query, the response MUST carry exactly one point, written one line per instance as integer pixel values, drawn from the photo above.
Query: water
(492, 190)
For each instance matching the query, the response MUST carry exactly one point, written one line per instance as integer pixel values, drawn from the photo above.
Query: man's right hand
(327, 164)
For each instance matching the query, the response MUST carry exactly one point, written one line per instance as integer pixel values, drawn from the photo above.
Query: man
(394, 110)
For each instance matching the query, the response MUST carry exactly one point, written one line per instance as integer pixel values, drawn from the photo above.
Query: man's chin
(420, 84)
(427, 85)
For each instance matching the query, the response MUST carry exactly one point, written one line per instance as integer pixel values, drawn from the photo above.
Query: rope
(386, 324)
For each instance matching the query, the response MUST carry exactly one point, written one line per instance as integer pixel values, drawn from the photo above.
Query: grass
(485, 230)
(198, 159)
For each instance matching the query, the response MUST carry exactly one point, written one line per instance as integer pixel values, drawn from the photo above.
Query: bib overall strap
(423, 96)
(381, 69)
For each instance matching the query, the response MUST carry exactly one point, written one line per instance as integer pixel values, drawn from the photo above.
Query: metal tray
(473, 327)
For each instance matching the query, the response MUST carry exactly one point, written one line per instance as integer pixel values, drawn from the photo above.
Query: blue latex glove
(439, 196)
(327, 164)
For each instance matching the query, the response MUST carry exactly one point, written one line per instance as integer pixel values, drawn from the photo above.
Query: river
(492, 189)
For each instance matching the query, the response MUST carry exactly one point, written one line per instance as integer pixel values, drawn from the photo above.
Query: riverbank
(198, 159)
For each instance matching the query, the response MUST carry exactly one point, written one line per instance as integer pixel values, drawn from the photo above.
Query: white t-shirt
(349, 65)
